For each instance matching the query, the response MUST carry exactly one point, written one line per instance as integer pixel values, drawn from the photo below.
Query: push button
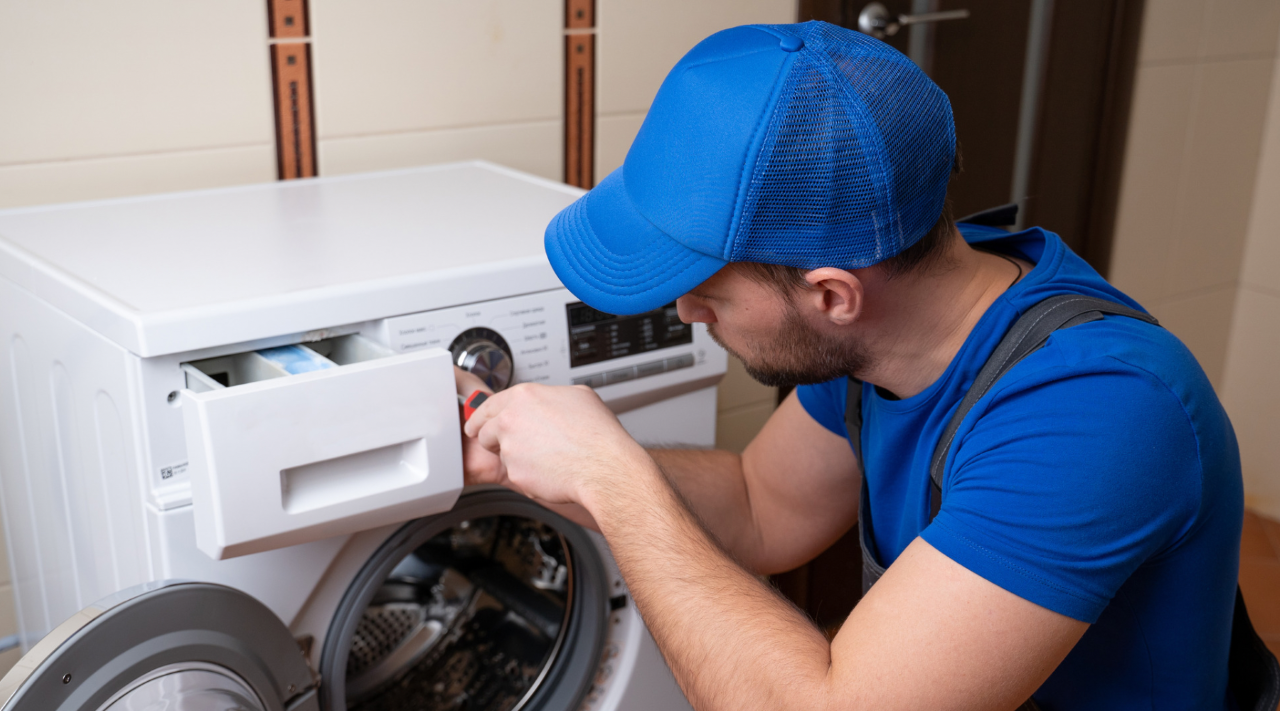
(681, 361)
(655, 367)
(619, 376)
(591, 381)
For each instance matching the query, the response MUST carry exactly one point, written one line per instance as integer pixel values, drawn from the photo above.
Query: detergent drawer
(278, 458)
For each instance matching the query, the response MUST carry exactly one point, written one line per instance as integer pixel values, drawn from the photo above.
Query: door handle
(876, 20)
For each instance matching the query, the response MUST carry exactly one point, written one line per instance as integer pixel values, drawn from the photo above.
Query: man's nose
(694, 310)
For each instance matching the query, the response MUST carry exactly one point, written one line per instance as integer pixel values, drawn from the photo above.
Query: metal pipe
(1039, 27)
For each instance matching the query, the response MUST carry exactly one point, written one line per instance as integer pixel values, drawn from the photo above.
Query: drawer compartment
(285, 460)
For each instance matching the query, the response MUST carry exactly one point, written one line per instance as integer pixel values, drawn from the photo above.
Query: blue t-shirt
(1098, 478)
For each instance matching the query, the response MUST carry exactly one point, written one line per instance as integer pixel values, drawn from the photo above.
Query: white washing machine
(228, 417)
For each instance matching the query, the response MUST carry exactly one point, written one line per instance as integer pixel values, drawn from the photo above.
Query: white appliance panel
(171, 273)
(68, 463)
(295, 459)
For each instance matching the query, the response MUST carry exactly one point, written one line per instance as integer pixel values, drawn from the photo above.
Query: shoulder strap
(1024, 337)
(1027, 335)
(853, 416)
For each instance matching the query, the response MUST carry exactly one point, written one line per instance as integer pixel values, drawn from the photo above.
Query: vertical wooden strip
(295, 135)
(287, 18)
(579, 14)
(580, 113)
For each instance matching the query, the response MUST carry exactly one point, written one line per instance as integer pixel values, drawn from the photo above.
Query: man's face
(770, 331)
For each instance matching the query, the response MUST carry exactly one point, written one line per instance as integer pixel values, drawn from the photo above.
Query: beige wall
(111, 98)
(1251, 388)
(1205, 68)
(400, 83)
(122, 98)
(639, 42)
(1196, 237)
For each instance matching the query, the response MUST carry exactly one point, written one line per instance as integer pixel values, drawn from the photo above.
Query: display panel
(595, 336)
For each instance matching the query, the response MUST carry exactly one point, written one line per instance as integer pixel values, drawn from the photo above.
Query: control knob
(485, 352)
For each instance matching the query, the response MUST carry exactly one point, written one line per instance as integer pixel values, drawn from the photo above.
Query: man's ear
(835, 294)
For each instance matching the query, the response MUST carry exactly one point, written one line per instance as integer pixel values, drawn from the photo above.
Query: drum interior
(472, 619)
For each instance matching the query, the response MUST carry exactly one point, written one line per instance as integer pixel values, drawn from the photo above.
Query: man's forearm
(732, 641)
(714, 487)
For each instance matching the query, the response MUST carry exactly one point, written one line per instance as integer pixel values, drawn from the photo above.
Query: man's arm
(931, 634)
(789, 496)
(784, 500)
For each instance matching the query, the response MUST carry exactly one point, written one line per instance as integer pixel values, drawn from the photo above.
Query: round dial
(484, 351)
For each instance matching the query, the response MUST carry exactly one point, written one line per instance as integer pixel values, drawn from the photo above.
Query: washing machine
(230, 467)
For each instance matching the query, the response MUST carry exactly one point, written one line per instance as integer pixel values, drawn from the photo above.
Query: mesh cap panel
(854, 163)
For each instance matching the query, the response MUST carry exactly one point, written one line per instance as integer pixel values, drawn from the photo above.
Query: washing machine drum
(498, 605)
(168, 646)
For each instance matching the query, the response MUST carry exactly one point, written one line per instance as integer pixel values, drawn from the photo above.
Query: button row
(644, 370)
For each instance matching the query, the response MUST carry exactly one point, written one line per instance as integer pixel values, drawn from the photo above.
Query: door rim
(110, 645)
(567, 677)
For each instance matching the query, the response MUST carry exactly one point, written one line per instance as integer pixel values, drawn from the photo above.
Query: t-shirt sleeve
(1064, 481)
(825, 403)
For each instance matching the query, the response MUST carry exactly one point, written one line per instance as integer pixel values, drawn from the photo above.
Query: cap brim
(615, 260)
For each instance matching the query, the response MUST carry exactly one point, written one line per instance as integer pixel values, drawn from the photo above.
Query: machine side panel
(70, 495)
(281, 579)
(686, 422)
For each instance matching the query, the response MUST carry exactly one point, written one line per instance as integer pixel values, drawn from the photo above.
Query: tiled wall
(1251, 388)
(639, 42)
(1196, 237)
(1200, 100)
(108, 99)
(400, 83)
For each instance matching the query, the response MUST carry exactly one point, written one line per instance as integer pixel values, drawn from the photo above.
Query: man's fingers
(471, 427)
(490, 436)
(487, 411)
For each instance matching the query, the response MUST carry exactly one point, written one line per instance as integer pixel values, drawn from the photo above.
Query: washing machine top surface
(178, 272)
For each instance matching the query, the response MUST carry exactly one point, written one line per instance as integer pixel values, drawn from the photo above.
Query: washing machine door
(167, 646)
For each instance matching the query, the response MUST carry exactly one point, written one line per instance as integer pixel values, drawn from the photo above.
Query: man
(788, 186)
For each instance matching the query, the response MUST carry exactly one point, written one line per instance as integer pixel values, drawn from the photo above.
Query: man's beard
(798, 355)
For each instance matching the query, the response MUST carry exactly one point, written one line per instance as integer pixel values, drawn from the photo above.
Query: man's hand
(558, 445)
(479, 465)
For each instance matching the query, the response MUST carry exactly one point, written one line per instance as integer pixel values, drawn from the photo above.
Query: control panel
(551, 337)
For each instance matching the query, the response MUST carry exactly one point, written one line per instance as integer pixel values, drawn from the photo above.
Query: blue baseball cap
(806, 145)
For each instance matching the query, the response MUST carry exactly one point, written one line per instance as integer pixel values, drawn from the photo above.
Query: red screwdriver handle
(471, 402)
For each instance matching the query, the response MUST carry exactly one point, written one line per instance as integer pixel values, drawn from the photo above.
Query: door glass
(472, 619)
(186, 687)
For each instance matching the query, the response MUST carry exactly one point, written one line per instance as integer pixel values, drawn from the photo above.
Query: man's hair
(921, 256)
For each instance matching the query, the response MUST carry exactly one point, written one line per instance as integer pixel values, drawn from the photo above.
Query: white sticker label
(169, 472)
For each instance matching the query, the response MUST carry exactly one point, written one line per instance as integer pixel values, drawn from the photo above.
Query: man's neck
(916, 323)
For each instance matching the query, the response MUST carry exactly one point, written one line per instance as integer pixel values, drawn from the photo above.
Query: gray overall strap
(1027, 335)
(871, 568)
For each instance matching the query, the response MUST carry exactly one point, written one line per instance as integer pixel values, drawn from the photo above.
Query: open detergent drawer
(279, 459)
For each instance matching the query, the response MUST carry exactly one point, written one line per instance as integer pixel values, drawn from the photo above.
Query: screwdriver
(471, 402)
